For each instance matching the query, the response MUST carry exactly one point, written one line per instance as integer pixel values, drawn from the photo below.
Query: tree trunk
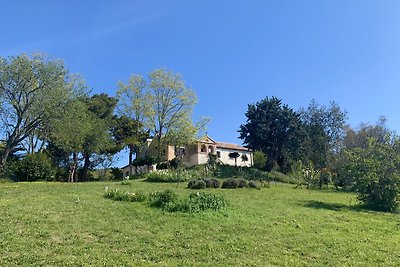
(86, 166)
(73, 174)
(130, 159)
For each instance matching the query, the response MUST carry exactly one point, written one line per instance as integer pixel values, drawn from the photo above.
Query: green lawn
(59, 224)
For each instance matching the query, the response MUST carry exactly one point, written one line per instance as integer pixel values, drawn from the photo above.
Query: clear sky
(231, 53)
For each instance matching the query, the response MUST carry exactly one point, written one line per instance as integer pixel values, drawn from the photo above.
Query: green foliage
(170, 176)
(201, 201)
(119, 195)
(196, 202)
(376, 174)
(165, 199)
(274, 129)
(197, 184)
(117, 173)
(253, 184)
(204, 183)
(230, 183)
(34, 167)
(325, 129)
(32, 90)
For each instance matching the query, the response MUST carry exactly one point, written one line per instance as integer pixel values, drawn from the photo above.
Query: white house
(197, 153)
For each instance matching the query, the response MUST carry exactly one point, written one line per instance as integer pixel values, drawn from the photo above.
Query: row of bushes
(228, 183)
(170, 201)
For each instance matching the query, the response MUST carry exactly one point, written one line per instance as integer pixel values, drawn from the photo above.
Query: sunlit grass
(56, 224)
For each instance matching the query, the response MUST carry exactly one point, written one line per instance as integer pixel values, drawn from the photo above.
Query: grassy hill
(59, 224)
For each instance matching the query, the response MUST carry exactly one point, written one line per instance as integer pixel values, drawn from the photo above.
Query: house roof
(231, 146)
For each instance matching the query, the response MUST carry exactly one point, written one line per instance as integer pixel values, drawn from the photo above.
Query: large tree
(274, 129)
(99, 141)
(325, 130)
(32, 88)
(163, 104)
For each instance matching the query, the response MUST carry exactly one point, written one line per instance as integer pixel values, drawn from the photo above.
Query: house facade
(197, 153)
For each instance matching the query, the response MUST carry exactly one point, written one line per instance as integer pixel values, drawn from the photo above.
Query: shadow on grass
(331, 206)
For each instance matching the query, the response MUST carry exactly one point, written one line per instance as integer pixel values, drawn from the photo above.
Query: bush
(216, 183)
(119, 195)
(117, 173)
(165, 199)
(230, 184)
(253, 184)
(382, 195)
(168, 176)
(242, 183)
(201, 201)
(34, 167)
(197, 184)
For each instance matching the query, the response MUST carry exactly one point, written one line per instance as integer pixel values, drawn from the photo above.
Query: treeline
(52, 128)
(318, 146)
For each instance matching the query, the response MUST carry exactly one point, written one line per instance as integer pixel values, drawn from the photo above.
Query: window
(203, 148)
(219, 154)
(210, 149)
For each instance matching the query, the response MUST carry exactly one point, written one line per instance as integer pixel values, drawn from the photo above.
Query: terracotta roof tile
(231, 146)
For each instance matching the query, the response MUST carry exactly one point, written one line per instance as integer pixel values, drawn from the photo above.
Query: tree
(99, 141)
(376, 174)
(70, 130)
(234, 155)
(129, 132)
(163, 104)
(274, 129)
(31, 89)
(325, 130)
(171, 104)
(259, 159)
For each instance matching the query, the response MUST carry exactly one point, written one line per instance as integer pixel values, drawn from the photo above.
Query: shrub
(119, 195)
(197, 184)
(34, 167)
(242, 183)
(165, 199)
(216, 183)
(230, 184)
(253, 184)
(117, 173)
(201, 201)
(209, 183)
(168, 176)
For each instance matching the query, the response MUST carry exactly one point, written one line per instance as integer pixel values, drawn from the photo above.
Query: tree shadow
(331, 206)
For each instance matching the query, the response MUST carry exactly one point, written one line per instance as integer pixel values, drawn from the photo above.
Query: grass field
(60, 224)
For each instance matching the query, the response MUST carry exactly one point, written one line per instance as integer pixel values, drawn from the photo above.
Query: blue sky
(231, 53)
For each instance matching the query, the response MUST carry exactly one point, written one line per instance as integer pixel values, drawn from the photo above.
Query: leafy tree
(99, 141)
(325, 130)
(259, 159)
(32, 88)
(234, 155)
(163, 104)
(70, 130)
(129, 132)
(375, 171)
(274, 129)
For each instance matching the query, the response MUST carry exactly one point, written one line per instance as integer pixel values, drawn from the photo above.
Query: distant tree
(163, 104)
(99, 141)
(70, 130)
(234, 155)
(325, 130)
(129, 133)
(259, 159)
(274, 129)
(32, 88)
